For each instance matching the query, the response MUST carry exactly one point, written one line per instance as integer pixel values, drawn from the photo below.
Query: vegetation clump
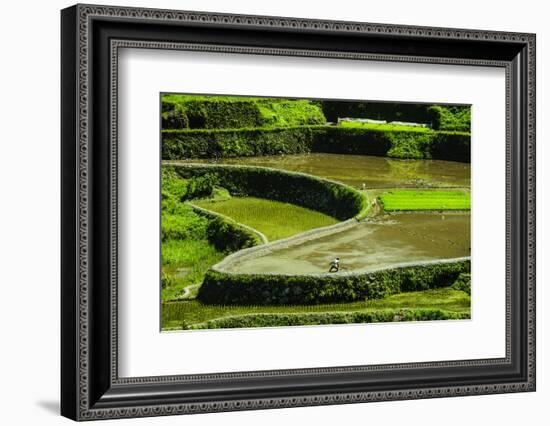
(450, 118)
(227, 237)
(463, 283)
(365, 140)
(219, 112)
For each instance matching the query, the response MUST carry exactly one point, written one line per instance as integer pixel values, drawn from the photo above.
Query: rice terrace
(283, 212)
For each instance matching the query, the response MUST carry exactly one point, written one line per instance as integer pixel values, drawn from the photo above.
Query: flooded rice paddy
(373, 172)
(386, 240)
(379, 242)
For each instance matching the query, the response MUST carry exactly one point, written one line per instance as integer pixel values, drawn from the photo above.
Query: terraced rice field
(193, 312)
(372, 172)
(274, 219)
(409, 200)
(418, 209)
(378, 243)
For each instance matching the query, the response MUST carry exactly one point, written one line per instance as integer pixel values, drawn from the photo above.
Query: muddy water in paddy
(374, 172)
(388, 240)
(384, 241)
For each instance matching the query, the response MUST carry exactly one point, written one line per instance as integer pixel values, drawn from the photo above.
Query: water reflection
(373, 172)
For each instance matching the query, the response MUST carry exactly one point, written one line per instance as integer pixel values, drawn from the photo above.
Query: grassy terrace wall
(249, 289)
(223, 143)
(247, 142)
(332, 198)
(216, 112)
(209, 114)
(284, 320)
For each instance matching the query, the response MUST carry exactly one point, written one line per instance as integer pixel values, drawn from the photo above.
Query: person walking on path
(335, 265)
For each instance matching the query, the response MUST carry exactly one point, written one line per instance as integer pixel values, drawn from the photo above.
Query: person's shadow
(50, 406)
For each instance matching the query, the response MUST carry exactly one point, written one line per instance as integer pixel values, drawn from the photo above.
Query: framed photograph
(263, 212)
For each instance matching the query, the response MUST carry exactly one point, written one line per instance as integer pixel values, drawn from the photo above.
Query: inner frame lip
(115, 45)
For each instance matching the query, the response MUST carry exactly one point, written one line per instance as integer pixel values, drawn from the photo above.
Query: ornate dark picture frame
(91, 37)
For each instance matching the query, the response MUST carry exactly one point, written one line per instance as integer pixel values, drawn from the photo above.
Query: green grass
(384, 127)
(175, 314)
(453, 118)
(179, 221)
(274, 219)
(186, 262)
(186, 252)
(290, 112)
(274, 112)
(425, 200)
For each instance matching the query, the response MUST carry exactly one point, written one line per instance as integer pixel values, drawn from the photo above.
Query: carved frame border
(85, 13)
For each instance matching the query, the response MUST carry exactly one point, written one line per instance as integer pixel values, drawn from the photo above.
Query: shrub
(178, 221)
(219, 112)
(200, 186)
(409, 145)
(226, 236)
(174, 187)
(166, 279)
(403, 144)
(181, 111)
(282, 320)
(451, 146)
(290, 112)
(335, 199)
(250, 289)
(463, 283)
(173, 117)
(177, 145)
(452, 118)
(350, 140)
(246, 142)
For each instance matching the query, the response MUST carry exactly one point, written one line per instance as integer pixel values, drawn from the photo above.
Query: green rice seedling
(403, 200)
(193, 312)
(274, 219)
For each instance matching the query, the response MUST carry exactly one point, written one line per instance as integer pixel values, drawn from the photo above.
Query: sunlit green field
(274, 219)
(186, 262)
(308, 136)
(383, 127)
(425, 200)
(192, 312)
